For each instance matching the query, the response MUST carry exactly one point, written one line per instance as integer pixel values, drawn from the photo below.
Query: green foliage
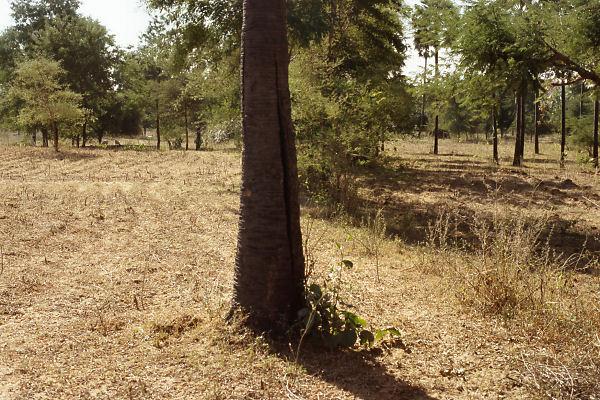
(45, 101)
(326, 321)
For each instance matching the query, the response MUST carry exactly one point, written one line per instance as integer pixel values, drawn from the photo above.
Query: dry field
(116, 273)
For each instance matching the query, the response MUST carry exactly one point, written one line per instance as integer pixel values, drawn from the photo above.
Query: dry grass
(118, 271)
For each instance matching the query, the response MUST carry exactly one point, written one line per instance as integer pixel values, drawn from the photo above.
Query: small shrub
(325, 320)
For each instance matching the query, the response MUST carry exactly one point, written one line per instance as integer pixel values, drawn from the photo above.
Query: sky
(125, 19)
(128, 19)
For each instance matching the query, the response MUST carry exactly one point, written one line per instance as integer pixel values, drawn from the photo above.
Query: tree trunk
(423, 106)
(84, 134)
(436, 145)
(100, 136)
(187, 130)
(582, 88)
(517, 156)
(198, 138)
(436, 140)
(78, 140)
(536, 133)
(269, 273)
(596, 118)
(523, 124)
(495, 138)
(34, 137)
(563, 123)
(44, 137)
(55, 130)
(157, 126)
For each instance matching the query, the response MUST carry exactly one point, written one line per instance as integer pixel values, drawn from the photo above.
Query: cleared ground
(117, 269)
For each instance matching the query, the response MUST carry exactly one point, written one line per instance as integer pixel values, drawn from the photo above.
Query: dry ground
(117, 269)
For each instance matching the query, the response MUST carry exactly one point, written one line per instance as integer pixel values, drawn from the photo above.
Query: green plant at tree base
(324, 320)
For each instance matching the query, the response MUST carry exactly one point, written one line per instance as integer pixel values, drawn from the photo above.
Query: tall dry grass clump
(505, 266)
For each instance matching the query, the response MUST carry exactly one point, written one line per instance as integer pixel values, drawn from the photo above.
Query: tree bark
(198, 138)
(187, 130)
(55, 131)
(269, 273)
(536, 122)
(424, 104)
(436, 145)
(517, 156)
(581, 90)
(436, 140)
(596, 118)
(495, 138)
(563, 124)
(44, 137)
(34, 137)
(157, 125)
(84, 134)
(523, 124)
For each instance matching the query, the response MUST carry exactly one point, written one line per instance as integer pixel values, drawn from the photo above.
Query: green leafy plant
(325, 320)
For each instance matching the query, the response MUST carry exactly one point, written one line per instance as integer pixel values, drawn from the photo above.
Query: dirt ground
(117, 270)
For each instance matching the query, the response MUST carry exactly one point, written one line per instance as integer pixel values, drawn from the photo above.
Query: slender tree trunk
(198, 138)
(55, 130)
(523, 123)
(424, 104)
(436, 145)
(84, 134)
(563, 124)
(44, 137)
(157, 125)
(269, 273)
(187, 129)
(596, 118)
(34, 137)
(536, 122)
(436, 140)
(100, 136)
(78, 140)
(517, 157)
(582, 88)
(495, 138)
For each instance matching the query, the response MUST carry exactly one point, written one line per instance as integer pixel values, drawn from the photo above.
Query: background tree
(46, 102)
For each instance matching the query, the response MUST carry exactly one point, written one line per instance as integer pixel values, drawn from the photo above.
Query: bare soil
(117, 271)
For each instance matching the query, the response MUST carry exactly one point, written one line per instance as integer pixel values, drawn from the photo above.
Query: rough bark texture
(269, 274)
(563, 123)
(596, 140)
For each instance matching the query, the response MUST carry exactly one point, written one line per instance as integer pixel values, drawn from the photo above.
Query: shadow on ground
(412, 198)
(360, 374)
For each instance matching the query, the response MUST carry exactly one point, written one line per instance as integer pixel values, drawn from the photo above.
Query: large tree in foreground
(269, 275)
